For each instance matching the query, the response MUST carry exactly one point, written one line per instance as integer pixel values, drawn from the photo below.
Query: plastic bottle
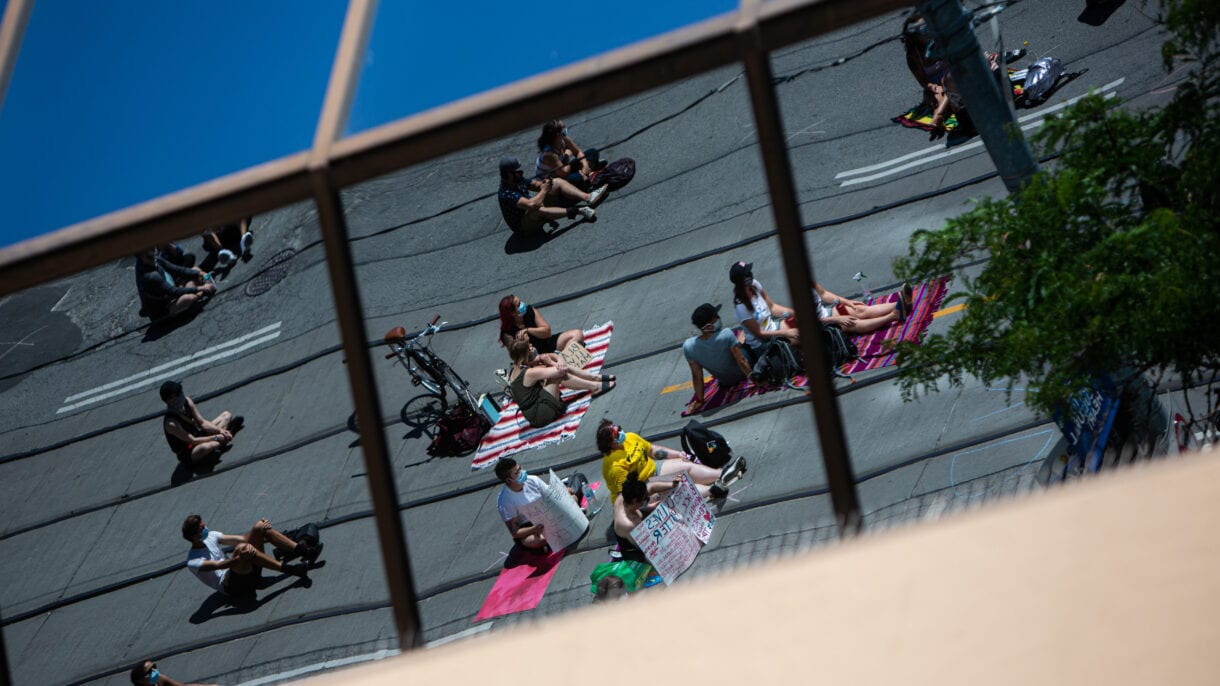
(592, 505)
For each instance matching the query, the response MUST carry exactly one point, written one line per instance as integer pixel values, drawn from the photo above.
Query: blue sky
(114, 103)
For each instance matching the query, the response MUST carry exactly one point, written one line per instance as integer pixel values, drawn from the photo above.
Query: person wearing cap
(167, 289)
(527, 206)
(762, 319)
(716, 350)
(193, 438)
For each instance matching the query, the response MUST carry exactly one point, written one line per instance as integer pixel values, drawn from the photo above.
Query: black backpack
(839, 348)
(458, 433)
(307, 534)
(709, 447)
(777, 364)
(617, 174)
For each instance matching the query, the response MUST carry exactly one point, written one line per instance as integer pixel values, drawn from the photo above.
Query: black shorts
(546, 345)
(243, 584)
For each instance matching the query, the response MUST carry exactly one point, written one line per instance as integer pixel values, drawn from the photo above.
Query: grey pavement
(90, 501)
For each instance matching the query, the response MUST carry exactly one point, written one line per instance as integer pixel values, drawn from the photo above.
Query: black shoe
(236, 424)
(297, 569)
(719, 491)
(312, 552)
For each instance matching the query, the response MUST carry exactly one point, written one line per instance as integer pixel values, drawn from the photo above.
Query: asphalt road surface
(91, 502)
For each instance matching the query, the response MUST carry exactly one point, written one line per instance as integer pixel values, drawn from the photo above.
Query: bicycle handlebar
(435, 319)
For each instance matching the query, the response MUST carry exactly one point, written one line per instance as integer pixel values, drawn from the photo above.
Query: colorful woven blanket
(876, 348)
(512, 433)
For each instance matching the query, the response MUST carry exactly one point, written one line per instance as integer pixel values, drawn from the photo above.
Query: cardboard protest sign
(563, 522)
(672, 534)
(576, 355)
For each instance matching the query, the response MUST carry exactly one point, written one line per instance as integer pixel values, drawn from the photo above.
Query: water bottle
(592, 505)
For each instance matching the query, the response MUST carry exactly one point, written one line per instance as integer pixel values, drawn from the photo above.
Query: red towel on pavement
(521, 586)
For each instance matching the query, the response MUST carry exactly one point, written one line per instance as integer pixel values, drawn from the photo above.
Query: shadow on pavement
(517, 243)
(1096, 12)
(162, 327)
(211, 607)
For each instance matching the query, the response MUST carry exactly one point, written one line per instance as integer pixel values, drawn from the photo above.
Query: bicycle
(427, 369)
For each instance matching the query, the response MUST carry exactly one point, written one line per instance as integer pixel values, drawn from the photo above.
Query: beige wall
(1113, 580)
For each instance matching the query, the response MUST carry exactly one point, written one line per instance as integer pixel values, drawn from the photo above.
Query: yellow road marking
(686, 385)
(949, 310)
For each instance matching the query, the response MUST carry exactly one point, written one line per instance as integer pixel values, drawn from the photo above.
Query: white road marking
(14, 344)
(172, 368)
(937, 152)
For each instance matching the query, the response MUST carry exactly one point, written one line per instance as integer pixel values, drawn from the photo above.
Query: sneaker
(297, 569)
(615, 553)
(246, 241)
(598, 195)
(1014, 55)
(587, 213)
(733, 471)
(719, 491)
(225, 259)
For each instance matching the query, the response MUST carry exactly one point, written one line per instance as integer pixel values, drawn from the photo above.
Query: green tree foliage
(1108, 260)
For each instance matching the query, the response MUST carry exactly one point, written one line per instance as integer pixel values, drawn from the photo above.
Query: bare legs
(702, 475)
(202, 450)
(250, 554)
(567, 337)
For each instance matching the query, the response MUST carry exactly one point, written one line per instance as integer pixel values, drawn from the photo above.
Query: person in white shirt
(238, 574)
(521, 488)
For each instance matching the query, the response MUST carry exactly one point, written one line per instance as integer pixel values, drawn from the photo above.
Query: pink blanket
(512, 433)
(521, 586)
(877, 348)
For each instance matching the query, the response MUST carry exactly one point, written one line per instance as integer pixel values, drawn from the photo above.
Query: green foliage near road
(1108, 260)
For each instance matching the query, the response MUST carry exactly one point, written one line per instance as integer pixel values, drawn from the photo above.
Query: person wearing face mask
(527, 206)
(761, 318)
(519, 321)
(624, 452)
(145, 673)
(716, 350)
(193, 438)
(239, 574)
(520, 489)
(536, 382)
(560, 157)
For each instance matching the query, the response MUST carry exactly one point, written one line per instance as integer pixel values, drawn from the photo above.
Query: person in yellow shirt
(624, 452)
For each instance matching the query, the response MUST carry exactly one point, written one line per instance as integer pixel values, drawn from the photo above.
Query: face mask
(203, 535)
(717, 326)
(153, 676)
(521, 309)
(619, 434)
(521, 477)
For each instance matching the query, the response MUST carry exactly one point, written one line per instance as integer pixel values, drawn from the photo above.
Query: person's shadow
(518, 243)
(221, 605)
(185, 472)
(1096, 12)
(161, 327)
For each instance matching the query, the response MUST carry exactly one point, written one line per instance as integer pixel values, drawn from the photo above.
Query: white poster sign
(671, 535)
(562, 520)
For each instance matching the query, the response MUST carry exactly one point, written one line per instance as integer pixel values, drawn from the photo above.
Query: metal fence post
(826, 415)
(991, 112)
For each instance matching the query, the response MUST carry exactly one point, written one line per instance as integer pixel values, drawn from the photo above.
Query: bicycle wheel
(424, 372)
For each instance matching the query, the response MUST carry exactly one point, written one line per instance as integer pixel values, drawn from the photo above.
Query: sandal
(607, 386)
(901, 308)
(608, 377)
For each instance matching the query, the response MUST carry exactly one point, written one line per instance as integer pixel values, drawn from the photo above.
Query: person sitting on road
(715, 349)
(229, 242)
(856, 318)
(521, 488)
(238, 576)
(167, 289)
(527, 214)
(535, 382)
(625, 452)
(193, 438)
(761, 318)
(559, 157)
(519, 321)
(632, 505)
(145, 673)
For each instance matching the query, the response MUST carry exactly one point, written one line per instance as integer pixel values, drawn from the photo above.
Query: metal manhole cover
(272, 272)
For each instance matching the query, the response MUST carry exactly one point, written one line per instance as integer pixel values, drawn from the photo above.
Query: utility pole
(990, 110)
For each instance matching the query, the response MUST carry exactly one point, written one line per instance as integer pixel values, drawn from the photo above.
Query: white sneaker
(598, 195)
(225, 259)
(247, 241)
(587, 213)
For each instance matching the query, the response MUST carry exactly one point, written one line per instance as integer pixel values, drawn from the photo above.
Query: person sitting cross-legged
(535, 382)
(527, 206)
(193, 438)
(237, 575)
(521, 488)
(625, 452)
(715, 349)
